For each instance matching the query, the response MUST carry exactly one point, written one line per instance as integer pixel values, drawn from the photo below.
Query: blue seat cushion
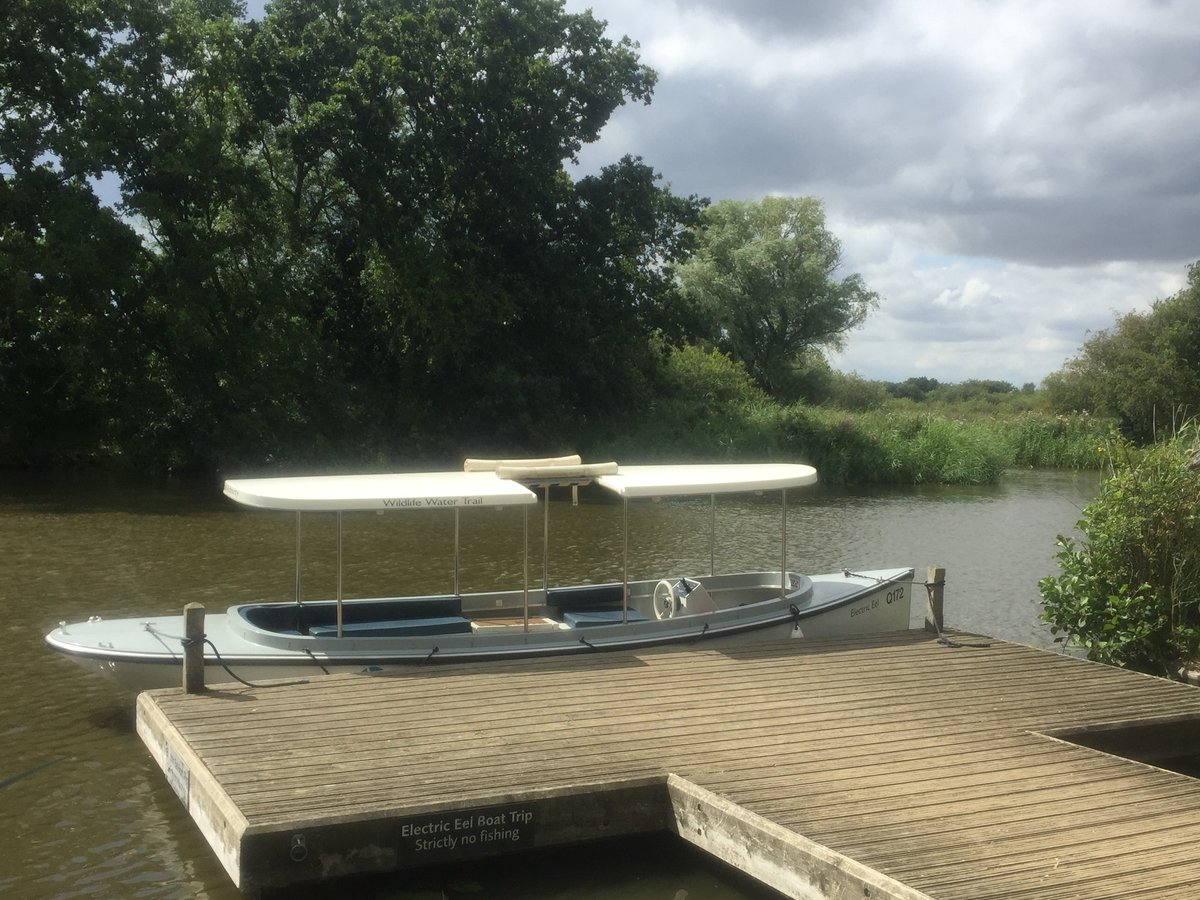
(586, 596)
(586, 618)
(396, 627)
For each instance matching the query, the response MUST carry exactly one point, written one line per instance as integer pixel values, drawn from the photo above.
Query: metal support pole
(298, 557)
(712, 534)
(546, 545)
(339, 573)
(456, 551)
(525, 511)
(783, 551)
(625, 564)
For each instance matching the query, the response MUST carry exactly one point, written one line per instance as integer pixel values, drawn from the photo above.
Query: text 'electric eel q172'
(299, 638)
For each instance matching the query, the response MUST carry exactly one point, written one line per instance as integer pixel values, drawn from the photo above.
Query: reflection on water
(88, 814)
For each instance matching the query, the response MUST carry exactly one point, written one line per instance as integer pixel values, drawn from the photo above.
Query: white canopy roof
(426, 490)
(669, 481)
(423, 490)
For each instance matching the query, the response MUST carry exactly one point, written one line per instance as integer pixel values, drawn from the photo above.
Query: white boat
(299, 638)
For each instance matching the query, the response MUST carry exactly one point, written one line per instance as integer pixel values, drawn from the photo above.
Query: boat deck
(882, 766)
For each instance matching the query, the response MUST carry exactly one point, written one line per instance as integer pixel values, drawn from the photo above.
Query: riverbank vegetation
(709, 407)
(1128, 592)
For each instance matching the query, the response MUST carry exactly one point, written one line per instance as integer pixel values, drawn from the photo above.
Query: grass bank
(880, 446)
(708, 408)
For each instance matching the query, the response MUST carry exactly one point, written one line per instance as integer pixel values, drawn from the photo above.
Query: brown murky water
(87, 814)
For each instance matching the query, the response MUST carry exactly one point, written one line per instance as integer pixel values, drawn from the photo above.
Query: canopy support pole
(783, 551)
(298, 600)
(525, 607)
(625, 563)
(339, 573)
(712, 534)
(456, 551)
(546, 545)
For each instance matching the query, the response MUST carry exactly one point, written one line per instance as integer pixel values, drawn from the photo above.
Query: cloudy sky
(1006, 174)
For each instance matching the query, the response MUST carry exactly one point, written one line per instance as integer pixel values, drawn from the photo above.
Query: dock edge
(774, 855)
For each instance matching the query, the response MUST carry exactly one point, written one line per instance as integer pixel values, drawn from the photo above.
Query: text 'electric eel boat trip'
(300, 638)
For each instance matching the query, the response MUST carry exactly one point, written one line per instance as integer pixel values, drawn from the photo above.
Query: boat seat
(295, 618)
(586, 618)
(587, 596)
(396, 627)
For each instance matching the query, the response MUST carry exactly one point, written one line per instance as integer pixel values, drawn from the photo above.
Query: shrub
(707, 382)
(1129, 593)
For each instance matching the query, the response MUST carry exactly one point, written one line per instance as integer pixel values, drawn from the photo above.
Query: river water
(86, 813)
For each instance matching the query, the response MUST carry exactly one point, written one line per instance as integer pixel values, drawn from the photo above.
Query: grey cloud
(1080, 230)
(1088, 153)
(798, 18)
(719, 136)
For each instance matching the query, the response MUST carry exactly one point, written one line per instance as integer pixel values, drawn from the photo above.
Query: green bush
(706, 382)
(1129, 593)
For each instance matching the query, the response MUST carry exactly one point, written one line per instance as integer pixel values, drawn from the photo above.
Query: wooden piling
(935, 584)
(193, 648)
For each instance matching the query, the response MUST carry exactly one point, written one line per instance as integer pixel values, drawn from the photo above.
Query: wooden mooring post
(935, 584)
(193, 648)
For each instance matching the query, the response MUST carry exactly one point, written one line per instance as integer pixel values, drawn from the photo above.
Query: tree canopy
(346, 228)
(764, 277)
(1144, 371)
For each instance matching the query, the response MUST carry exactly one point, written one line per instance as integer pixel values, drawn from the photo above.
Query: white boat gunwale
(365, 654)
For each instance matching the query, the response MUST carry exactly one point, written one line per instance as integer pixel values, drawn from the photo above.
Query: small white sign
(177, 775)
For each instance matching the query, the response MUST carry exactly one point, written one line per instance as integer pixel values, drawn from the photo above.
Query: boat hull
(145, 654)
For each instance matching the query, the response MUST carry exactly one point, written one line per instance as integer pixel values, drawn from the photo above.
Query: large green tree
(471, 261)
(344, 229)
(1144, 371)
(765, 275)
(68, 266)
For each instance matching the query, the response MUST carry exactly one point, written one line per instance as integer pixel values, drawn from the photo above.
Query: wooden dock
(882, 766)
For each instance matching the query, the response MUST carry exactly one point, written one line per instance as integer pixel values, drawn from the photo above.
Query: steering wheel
(666, 604)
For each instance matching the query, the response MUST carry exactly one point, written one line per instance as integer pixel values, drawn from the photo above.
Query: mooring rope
(846, 573)
(187, 642)
(313, 657)
(941, 638)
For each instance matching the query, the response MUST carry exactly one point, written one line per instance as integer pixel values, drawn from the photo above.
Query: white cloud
(1008, 174)
(973, 293)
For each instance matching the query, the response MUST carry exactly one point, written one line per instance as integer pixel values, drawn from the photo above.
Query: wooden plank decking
(883, 766)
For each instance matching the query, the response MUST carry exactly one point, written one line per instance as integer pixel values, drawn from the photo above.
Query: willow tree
(764, 276)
